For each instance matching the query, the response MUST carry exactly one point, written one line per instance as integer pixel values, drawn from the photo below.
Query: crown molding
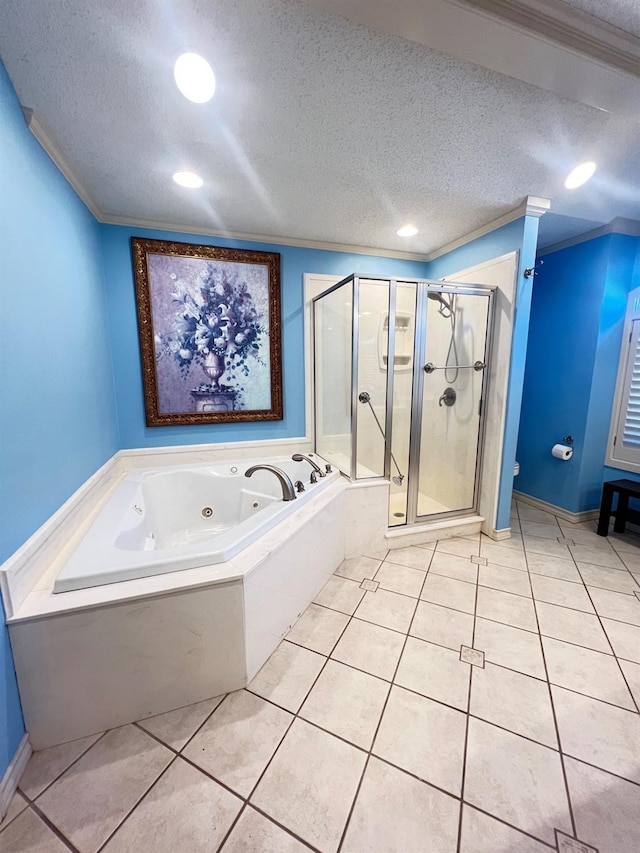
(110, 219)
(527, 50)
(569, 26)
(619, 225)
(46, 141)
(531, 206)
(535, 205)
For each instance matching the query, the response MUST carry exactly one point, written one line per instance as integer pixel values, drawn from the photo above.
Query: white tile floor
(366, 731)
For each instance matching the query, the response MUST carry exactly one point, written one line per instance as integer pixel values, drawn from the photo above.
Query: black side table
(625, 489)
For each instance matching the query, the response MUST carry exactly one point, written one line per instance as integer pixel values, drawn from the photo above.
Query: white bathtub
(166, 639)
(184, 517)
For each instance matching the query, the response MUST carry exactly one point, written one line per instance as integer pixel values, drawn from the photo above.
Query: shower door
(449, 384)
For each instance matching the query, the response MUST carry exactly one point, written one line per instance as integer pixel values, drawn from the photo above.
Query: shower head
(438, 297)
(445, 305)
(398, 480)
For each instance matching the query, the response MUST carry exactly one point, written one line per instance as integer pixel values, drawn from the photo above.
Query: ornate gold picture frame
(210, 333)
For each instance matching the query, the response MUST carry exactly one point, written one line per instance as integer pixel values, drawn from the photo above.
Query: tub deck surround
(184, 517)
(42, 602)
(46, 551)
(144, 647)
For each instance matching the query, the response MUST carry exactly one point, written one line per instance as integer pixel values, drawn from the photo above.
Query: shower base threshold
(418, 534)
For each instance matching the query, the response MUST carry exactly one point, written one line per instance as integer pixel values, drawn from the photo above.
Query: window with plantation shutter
(624, 438)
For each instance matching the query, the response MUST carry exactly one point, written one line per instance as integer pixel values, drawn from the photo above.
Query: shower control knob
(429, 367)
(299, 486)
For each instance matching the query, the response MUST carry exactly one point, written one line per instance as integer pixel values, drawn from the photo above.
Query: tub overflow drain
(207, 512)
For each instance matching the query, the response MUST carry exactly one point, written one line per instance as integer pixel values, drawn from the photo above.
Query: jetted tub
(184, 517)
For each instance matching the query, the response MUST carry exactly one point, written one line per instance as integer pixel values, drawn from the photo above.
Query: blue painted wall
(294, 262)
(57, 399)
(521, 236)
(577, 318)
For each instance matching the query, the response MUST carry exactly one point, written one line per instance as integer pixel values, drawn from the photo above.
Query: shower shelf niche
(404, 341)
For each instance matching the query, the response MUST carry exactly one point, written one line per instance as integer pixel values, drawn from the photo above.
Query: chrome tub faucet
(288, 492)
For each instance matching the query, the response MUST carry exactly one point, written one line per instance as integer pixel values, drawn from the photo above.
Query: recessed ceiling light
(188, 179)
(580, 175)
(407, 231)
(194, 77)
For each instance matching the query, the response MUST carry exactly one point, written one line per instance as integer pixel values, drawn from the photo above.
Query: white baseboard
(498, 534)
(13, 774)
(562, 513)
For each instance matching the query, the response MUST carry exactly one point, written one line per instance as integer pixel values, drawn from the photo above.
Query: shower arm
(365, 397)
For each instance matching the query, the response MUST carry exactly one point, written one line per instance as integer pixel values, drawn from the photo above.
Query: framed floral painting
(210, 333)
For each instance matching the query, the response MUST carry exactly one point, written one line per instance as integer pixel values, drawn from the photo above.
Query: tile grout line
(377, 729)
(295, 716)
(613, 651)
(438, 702)
(136, 804)
(465, 745)
(36, 808)
(15, 817)
(233, 825)
(191, 737)
(553, 709)
(511, 826)
(413, 775)
(286, 829)
(75, 761)
(492, 662)
(602, 770)
(188, 760)
(448, 648)
(51, 825)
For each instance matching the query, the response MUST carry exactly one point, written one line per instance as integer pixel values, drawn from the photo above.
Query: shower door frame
(424, 287)
(354, 278)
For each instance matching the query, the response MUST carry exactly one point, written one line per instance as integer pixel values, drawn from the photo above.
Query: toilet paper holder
(567, 439)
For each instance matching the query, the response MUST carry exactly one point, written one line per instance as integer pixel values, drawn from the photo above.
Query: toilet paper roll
(562, 451)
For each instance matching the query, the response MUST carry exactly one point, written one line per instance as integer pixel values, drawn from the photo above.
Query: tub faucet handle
(313, 478)
(299, 486)
(298, 457)
(328, 468)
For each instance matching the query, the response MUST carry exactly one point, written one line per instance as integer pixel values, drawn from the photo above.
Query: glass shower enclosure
(400, 378)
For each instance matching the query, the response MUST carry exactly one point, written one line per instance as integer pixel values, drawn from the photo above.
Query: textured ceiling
(320, 129)
(624, 14)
